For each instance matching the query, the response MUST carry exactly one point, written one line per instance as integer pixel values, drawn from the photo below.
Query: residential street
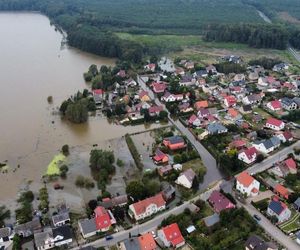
(267, 163)
(213, 174)
(152, 224)
(272, 230)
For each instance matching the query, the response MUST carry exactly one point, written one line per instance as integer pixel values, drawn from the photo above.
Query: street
(272, 230)
(213, 173)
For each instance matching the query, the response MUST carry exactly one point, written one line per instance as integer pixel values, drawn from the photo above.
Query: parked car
(256, 217)
(109, 237)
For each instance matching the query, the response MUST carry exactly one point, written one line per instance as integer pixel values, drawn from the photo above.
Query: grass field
(292, 224)
(53, 167)
(194, 48)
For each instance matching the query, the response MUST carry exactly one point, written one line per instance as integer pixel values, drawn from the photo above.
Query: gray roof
(115, 201)
(64, 231)
(215, 128)
(256, 243)
(39, 238)
(132, 244)
(60, 217)
(286, 101)
(211, 220)
(297, 202)
(189, 174)
(268, 144)
(5, 232)
(297, 101)
(168, 191)
(28, 228)
(275, 140)
(88, 225)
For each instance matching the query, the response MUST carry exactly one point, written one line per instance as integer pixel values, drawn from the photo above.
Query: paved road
(213, 174)
(152, 224)
(272, 230)
(267, 163)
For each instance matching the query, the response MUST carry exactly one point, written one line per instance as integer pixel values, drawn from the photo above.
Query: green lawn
(292, 224)
(53, 167)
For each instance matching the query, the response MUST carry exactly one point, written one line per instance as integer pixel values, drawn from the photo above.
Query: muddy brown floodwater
(33, 66)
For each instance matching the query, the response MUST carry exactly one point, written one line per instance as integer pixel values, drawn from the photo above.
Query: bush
(65, 150)
(134, 152)
(120, 163)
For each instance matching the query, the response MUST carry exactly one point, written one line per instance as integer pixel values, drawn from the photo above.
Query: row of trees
(257, 36)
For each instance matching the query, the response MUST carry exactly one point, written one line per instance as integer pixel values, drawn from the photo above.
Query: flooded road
(33, 66)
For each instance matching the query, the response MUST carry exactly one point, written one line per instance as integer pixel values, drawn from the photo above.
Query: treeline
(267, 63)
(256, 36)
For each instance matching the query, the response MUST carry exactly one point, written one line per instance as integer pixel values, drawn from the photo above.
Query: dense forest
(257, 36)
(92, 25)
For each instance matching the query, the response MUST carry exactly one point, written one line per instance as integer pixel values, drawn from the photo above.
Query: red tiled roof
(159, 87)
(250, 152)
(276, 104)
(290, 163)
(230, 99)
(233, 112)
(193, 118)
(155, 109)
(102, 218)
(173, 234)
(147, 242)
(201, 104)
(274, 122)
(159, 155)
(98, 91)
(141, 206)
(287, 135)
(282, 190)
(219, 201)
(245, 179)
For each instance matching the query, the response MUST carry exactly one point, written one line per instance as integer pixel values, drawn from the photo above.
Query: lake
(33, 66)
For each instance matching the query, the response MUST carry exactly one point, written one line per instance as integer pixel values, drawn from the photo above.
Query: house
(246, 184)
(5, 233)
(201, 73)
(194, 121)
(265, 146)
(219, 202)
(201, 104)
(61, 219)
(281, 191)
(291, 165)
(246, 109)
(238, 144)
(168, 97)
(160, 157)
(274, 124)
(118, 201)
(130, 244)
(150, 67)
(298, 237)
(147, 207)
(155, 110)
(27, 229)
(232, 59)
(296, 204)
(144, 96)
(216, 128)
(189, 65)
(56, 237)
(174, 142)
(274, 105)
(252, 99)
(177, 167)
(158, 88)
(279, 209)
(254, 242)
(87, 227)
(280, 67)
(179, 71)
(203, 113)
(98, 95)
(187, 80)
(288, 103)
(165, 170)
(171, 236)
(147, 242)
(233, 114)
(168, 192)
(285, 136)
(211, 69)
(104, 219)
(230, 101)
(248, 155)
(185, 107)
(186, 178)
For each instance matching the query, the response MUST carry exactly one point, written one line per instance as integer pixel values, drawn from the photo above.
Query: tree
(163, 115)
(77, 112)
(4, 214)
(16, 242)
(92, 204)
(65, 149)
(136, 190)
